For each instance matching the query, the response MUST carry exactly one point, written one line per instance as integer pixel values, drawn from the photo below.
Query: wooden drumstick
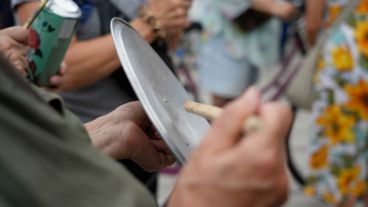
(30, 20)
(209, 112)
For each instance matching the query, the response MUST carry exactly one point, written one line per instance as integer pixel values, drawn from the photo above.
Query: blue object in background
(86, 7)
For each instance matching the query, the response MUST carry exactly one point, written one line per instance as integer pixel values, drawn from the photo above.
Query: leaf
(340, 80)
(312, 179)
(335, 169)
(352, 21)
(330, 97)
(348, 161)
(363, 61)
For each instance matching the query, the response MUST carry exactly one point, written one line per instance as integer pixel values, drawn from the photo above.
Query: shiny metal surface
(160, 92)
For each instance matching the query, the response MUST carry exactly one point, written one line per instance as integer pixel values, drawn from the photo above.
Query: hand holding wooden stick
(209, 112)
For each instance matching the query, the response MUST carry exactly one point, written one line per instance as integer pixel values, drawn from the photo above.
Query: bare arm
(314, 18)
(93, 60)
(282, 10)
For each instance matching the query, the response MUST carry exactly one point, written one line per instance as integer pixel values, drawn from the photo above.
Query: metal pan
(160, 92)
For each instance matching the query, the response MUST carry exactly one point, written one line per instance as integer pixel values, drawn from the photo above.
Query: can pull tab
(31, 19)
(252, 124)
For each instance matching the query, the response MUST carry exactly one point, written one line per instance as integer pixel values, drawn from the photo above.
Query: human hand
(173, 40)
(56, 81)
(231, 169)
(14, 47)
(171, 14)
(127, 133)
(284, 10)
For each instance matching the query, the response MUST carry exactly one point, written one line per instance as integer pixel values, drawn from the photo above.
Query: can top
(64, 8)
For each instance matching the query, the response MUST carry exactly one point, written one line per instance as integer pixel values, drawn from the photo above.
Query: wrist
(144, 30)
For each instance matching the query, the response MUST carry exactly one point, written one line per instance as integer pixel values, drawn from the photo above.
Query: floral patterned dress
(339, 154)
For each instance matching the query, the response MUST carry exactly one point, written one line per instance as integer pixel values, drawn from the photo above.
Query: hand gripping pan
(159, 91)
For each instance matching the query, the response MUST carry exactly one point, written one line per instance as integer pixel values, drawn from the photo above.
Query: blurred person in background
(6, 14)
(338, 159)
(95, 82)
(239, 39)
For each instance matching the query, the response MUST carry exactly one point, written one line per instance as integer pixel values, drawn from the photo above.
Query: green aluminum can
(50, 37)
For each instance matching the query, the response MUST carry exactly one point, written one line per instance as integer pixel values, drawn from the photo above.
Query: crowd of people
(65, 144)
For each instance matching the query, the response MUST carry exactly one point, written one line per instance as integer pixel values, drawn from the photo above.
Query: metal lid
(160, 92)
(64, 8)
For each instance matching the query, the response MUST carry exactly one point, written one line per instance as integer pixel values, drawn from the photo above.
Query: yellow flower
(362, 7)
(329, 198)
(321, 64)
(337, 126)
(319, 159)
(358, 98)
(310, 191)
(359, 189)
(333, 13)
(361, 35)
(342, 59)
(346, 178)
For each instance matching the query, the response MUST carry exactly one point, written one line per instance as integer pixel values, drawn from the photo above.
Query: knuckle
(6, 45)
(128, 126)
(269, 162)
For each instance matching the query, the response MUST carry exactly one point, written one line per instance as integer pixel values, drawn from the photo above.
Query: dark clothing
(46, 158)
(6, 14)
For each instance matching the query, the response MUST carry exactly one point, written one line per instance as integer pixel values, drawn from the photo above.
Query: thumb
(18, 33)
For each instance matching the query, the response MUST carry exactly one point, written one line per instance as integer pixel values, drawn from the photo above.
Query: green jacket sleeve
(47, 160)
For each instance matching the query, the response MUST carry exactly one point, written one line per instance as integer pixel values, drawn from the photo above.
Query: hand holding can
(14, 47)
(50, 37)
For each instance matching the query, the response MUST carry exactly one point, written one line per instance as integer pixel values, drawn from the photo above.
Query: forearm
(281, 9)
(144, 30)
(85, 68)
(90, 61)
(314, 15)
(315, 10)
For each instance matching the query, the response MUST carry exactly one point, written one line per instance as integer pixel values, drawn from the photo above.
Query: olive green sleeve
(46, 159)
